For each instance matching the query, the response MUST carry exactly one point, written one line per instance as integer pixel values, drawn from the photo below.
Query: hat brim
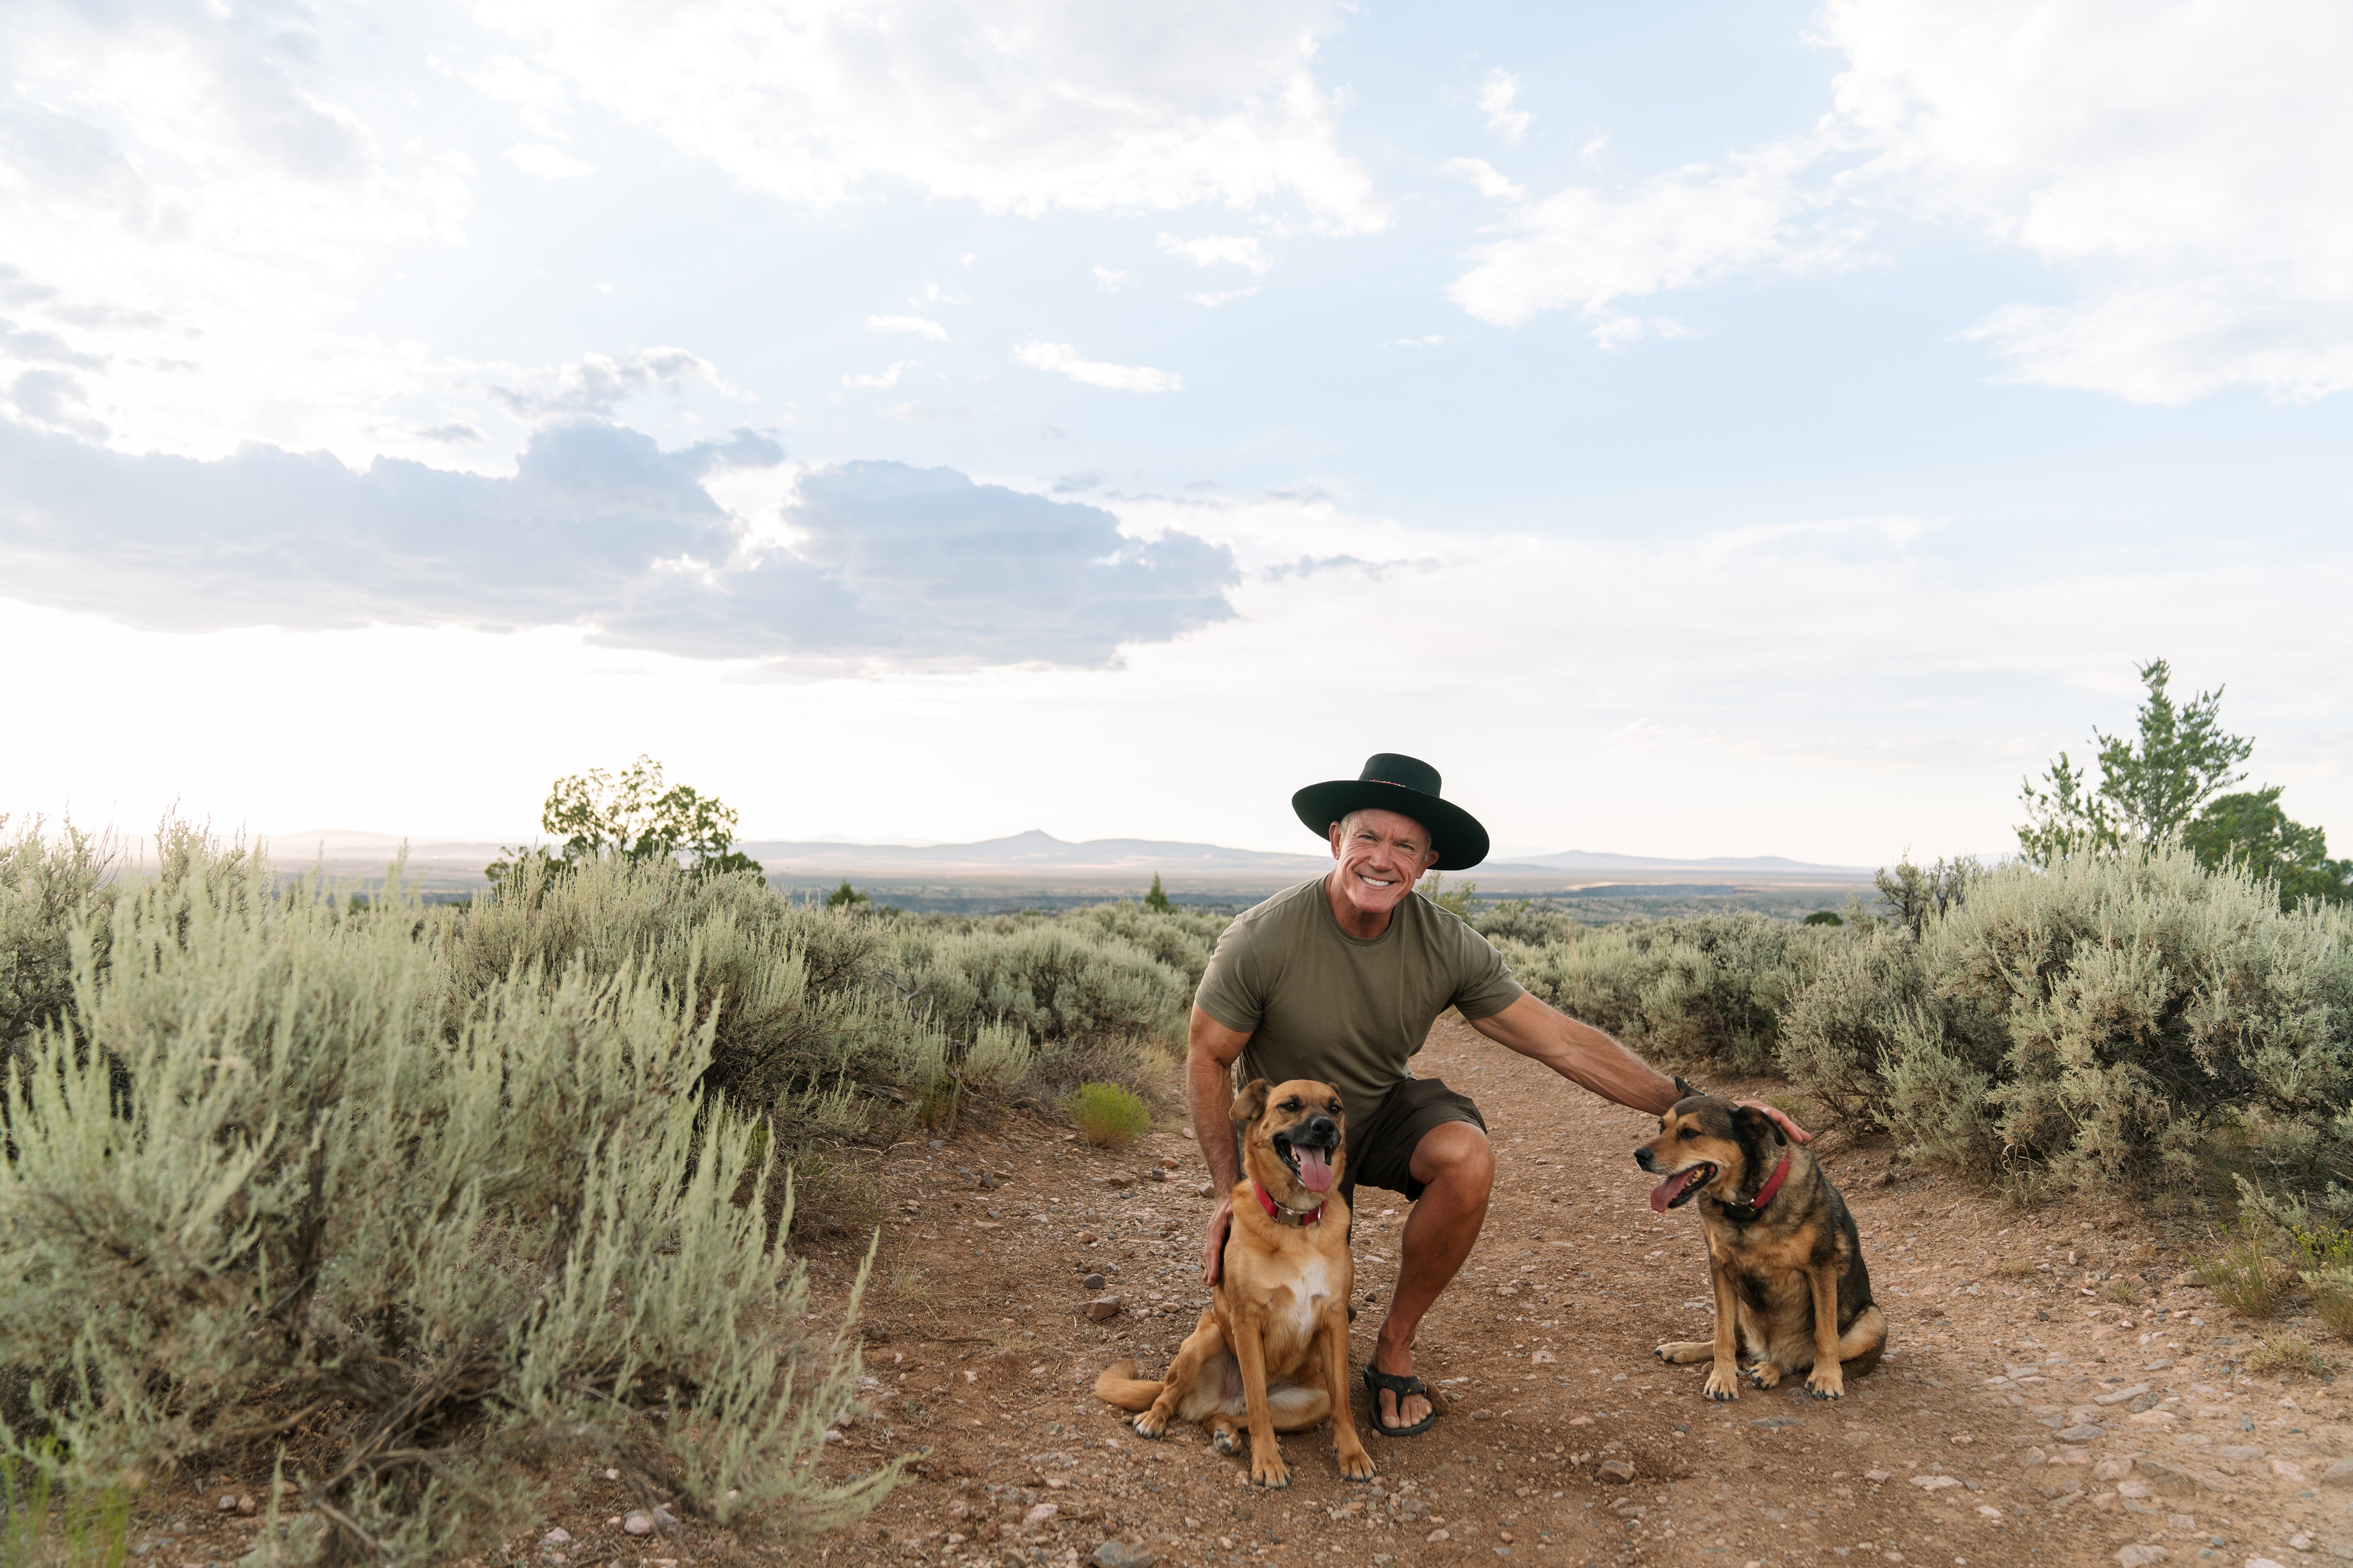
(1462, 843)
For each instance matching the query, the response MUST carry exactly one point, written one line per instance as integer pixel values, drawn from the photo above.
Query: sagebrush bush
(1710, 989)
(288, 1174)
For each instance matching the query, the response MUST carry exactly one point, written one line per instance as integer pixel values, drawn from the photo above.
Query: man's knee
(1455, 1155)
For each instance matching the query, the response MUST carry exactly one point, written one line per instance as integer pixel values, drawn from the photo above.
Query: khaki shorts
(1380, 1148)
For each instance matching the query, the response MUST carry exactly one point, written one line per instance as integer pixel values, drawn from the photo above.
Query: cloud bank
(2185, 166)
(871, 565)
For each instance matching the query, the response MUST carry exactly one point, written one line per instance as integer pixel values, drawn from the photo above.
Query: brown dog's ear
(1760, 1126)
(1249, 1105)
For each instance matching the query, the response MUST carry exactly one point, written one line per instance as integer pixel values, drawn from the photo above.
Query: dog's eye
(1290, 1105)
(1686, 1134)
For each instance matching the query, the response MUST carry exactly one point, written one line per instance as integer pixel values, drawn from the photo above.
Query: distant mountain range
(1036, 851)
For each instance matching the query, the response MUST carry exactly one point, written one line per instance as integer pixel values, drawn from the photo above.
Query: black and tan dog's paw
(1357, 1467)
(1722, 1383)
(1269, 1471)
(1827, 1385)
(1151, 1423)
(1765, 1375)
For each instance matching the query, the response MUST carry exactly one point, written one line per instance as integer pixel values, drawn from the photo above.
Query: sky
(1696, 429)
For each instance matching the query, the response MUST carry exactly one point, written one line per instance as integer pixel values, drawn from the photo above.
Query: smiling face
(1293, 1139)
(1381, 855)
(1705, 1145)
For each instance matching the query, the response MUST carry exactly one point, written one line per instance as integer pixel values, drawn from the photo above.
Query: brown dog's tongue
(1314, 1169)
(1666, 1192)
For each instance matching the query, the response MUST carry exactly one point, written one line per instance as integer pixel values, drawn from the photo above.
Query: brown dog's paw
(1269, 1471)
(1826, 1385)
(1723, 1383)
(1152, 1424)
(1357, 1467)
(1226, 1441)
(1765, 1375)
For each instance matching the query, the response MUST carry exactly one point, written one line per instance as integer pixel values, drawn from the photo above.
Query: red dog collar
(1765, 1194)
(1281, 1215)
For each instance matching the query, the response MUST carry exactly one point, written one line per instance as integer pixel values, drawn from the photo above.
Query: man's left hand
(1795, 1133)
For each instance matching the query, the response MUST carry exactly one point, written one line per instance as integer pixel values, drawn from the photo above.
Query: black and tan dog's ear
(1760, 1126)
(1249, 1105)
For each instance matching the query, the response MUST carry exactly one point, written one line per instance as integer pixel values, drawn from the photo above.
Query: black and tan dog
(1272, 1348)
(1782, 1251)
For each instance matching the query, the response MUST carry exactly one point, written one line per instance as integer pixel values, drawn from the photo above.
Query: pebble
(1934, 1483)
(1120, 1554)
(1092, 1282)
(1102, 1308)
(1085, 1237)
(637, 1522)
(2338, 1474)
(2140, 1556)
(1156, 1174)
(1617, 1470)
(559, 1536)
(1042, 1514)
(245, 1503)
(228, 1503)
(2121, 1394)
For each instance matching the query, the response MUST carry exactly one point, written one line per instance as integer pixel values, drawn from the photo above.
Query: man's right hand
(1213, 1246)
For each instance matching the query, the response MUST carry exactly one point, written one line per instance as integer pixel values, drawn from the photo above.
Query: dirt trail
(1997, 1431)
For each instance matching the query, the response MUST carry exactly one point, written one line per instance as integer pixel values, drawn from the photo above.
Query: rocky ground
(2057, 1390)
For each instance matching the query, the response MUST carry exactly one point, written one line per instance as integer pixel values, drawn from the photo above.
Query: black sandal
(1375, 1380)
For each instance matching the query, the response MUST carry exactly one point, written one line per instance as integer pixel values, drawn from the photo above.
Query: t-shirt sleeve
(1233, 989)
(1486, 986)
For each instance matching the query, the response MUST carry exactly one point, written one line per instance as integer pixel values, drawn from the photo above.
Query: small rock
(2340, 1474)
(1876, 1474)
(1617, 1470)
(1121, 1179)
(1156, 1174)
(1206, 1189)
(988, 1182)
(1483, 1415)
(245, 1503)
(1092, 1282)
(228, 1503)
(1086, 1238)
(1101, 1308)
(2288, 1472)
(1987, 1509)
(1438, 1535)
(2121, 1395)
(2132, 1488)
(2301, 1541)
(1934, 1483)
(2082, 1434)
(1120, 1554)
(2263, 1563)
(559, 1536)
(2139, 1556)
(2114, 1470)
(1043, 1513)
(637, 1522)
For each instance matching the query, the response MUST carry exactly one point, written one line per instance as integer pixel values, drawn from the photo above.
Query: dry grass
(2123, 1291)
(1108, 1116)
(2247, 1274)
(2289, 1353)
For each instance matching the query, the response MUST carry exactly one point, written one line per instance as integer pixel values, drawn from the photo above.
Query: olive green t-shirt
(1318, 1003)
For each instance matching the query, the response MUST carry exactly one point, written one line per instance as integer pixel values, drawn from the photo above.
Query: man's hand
(1795, 1133)
(1213, 1245)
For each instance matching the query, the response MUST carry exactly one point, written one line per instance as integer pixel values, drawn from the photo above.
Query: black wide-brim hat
(1408, 786)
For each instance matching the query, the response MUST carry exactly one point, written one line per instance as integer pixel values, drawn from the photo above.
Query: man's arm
(1584, 1055)
(1209, 1056)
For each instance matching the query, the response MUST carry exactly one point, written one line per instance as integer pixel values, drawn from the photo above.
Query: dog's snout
(1642, 1158)
(1323, 1129)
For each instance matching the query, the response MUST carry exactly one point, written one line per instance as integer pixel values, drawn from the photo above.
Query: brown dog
(1782, 1250)
(1272, 1347)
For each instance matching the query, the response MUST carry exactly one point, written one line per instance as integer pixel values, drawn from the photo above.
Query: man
(1340, 979)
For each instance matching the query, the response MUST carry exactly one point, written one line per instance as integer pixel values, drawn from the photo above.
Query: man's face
(1381, 855)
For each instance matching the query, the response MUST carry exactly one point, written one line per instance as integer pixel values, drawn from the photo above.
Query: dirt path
(2023, 1415)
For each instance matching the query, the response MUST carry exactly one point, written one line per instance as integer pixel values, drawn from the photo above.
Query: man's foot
(1394, 1412)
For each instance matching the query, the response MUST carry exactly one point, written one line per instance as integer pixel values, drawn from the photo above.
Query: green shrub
(1710, 989)
(2289, 1354)
(286, 1165)
(1107, 1115)
(2244, 1272)
(1823, 918)
(94, 1526)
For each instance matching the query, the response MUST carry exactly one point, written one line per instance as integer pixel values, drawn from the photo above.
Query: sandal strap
(1408, 1384)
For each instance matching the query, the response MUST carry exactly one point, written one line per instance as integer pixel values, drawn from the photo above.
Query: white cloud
(1587, 250)
(1219, 249)
(1496, 96)
(548, 163)
(1484, 174)
(2185, 169)
(880, 378)
(595, 384)
(921, 326)
(1108, 280)
(2191, 164)
(926, 414)
(1064, 360)
(191, 203)
(1212, 301)
(1018, 106)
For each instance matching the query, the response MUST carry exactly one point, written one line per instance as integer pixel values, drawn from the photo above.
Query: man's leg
(1457, 1170)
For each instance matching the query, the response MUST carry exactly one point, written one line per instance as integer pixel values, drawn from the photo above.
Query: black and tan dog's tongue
(1671, 1189)
(1314, 1169)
